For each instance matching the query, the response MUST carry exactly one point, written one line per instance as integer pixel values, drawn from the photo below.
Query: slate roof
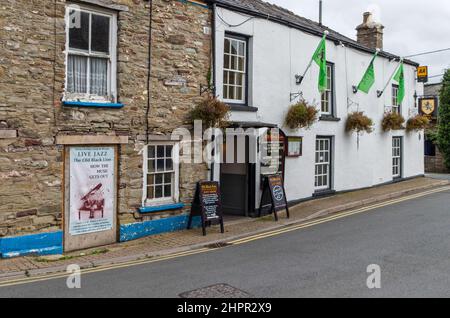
(259, 8)
(432, 89)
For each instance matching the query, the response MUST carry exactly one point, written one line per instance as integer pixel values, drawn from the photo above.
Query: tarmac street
(408, 242)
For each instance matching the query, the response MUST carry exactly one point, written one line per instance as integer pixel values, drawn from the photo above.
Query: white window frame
(396, 106)
(112, 56)
(323, 163)
(176, 170)
(244, 72)
(327, 97)
(397, 157)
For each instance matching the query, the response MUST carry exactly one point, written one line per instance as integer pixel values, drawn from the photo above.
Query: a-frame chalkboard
(273, 191)
(207, 204)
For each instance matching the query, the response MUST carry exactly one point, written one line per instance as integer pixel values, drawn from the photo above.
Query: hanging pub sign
(207, 204)
(422, 74)
(428, 106)
(274, 195)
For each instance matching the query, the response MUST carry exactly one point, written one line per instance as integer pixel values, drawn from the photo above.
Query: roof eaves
(312, 31)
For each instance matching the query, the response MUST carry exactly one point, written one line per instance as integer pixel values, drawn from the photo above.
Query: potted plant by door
(417, 123)
(392, 121)
(359, 122)
(301, 115)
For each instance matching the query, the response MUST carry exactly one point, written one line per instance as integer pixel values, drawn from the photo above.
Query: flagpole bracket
(294, 96)
(379, 94)
(299, 79)
(355, 89)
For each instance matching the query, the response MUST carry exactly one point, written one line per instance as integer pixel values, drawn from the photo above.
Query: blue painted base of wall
(34, 244)
(52, 243)
(135, 231)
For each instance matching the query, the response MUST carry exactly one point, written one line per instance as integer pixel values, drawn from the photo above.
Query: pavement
(406, 238)
(183, 241)
(439, 176)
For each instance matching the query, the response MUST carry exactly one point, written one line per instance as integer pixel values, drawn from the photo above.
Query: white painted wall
(277, 54)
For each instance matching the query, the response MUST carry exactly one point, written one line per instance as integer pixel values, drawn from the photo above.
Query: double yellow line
(45, 277)
(231, 243)
(336, 216)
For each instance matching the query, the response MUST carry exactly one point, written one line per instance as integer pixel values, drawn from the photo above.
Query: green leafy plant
(212, 112)
(301, 115)
(392, 121)
(432, 135)
(417, 123)
(359, 122)
(443, 135)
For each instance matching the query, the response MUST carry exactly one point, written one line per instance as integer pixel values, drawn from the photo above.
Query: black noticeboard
(207, 204)
(274, 192)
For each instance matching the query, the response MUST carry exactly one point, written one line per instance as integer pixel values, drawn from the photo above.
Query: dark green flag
(400, 78)
(369, 77)
(320, 57)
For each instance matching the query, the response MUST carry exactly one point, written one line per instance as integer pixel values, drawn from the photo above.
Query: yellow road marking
(335, 217)
(102, 268)
(235, 242)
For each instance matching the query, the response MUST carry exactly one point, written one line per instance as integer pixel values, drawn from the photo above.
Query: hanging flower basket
(301, 115)
(392, 121)
(417, 123)
(359, 122)
(212, 112)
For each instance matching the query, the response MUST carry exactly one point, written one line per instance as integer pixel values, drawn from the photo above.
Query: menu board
(273, 153)
(207, 204)
(210, 199)
(273, 197)
(277, 192)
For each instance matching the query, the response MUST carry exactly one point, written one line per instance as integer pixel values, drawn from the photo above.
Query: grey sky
(411, 26)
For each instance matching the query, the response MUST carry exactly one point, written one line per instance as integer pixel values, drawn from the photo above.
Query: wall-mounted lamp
(298, 79)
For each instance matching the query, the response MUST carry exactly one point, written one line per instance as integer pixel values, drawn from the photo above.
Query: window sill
(159, 208)
(329, 118)
(93, 104)
(242, 108)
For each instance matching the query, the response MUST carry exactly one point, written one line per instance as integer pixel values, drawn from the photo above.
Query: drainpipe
(149, 70)
(213, 75)
(213, 38)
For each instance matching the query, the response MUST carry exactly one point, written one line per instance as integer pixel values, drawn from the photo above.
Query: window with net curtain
(89, 55)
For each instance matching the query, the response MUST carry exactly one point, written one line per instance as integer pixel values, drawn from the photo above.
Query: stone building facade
(434, 160)
(35, 121)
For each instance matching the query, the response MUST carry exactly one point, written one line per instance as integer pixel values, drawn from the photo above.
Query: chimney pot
(367, 17)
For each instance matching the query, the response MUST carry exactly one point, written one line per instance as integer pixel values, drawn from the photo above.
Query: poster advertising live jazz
(91, 189)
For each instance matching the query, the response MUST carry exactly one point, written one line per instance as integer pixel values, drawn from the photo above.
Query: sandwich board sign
(207, 204)
(274, 192)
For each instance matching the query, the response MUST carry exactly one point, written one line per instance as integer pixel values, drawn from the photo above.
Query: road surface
(410, 241)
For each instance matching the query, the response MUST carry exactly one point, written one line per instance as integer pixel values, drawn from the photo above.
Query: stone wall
(32, 74)
(435, 164)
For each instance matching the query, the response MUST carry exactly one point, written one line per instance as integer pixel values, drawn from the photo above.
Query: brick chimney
(370, 33)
